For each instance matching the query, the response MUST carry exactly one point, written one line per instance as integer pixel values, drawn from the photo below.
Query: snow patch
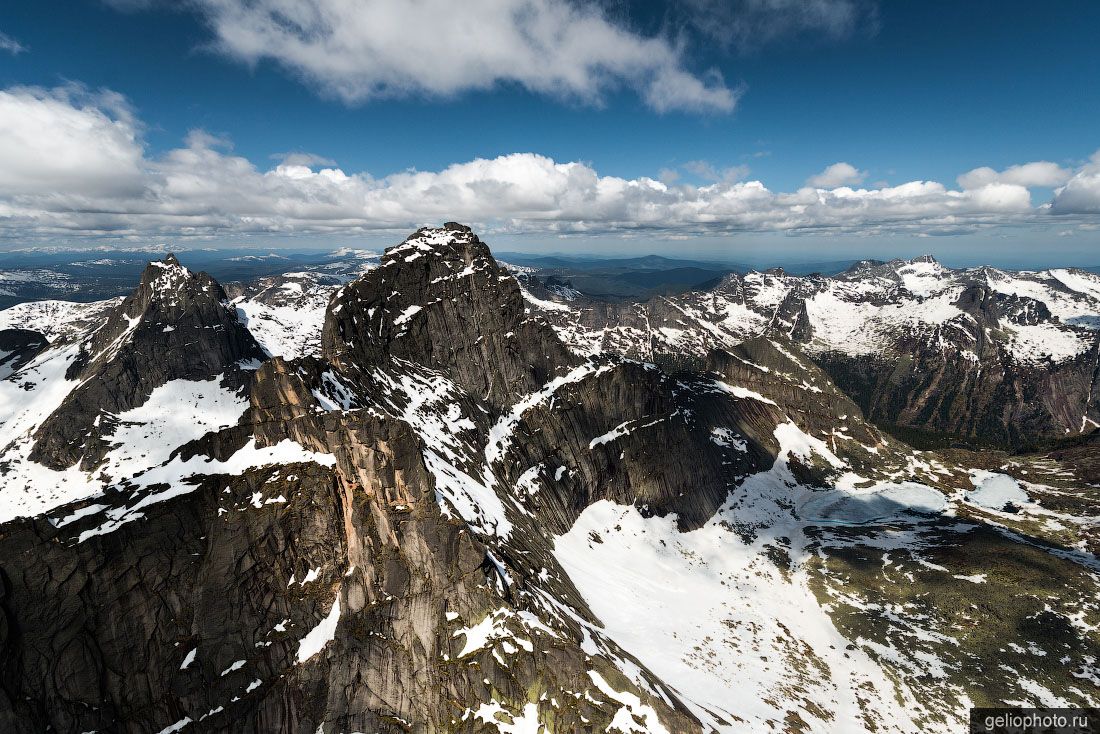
(881, 502)
(324, 633)
(539, 303)
(995, 491)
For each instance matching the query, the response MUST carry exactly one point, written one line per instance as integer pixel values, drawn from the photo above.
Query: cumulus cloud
(1081, 194)
(363, 49)
(70, 140)
(838, 174)
(1037, 173)
(10, 45)
(72, 165)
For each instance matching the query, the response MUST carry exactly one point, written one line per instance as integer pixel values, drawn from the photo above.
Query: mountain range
(427, 491)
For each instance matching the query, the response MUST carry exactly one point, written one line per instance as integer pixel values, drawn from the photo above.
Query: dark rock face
(779, 369)
(958, 380)
(440, 299)
(631, 434)
(991, 307)
(220, 571)
(175, 325)
(18, 347)
(103, 645)
(803, 392)
(1003, 405)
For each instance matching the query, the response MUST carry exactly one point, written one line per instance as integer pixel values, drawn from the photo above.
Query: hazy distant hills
(92, 275)
(618, 278)
(98, 274)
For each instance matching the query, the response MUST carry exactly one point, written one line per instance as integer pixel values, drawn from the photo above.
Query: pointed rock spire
(175, 325)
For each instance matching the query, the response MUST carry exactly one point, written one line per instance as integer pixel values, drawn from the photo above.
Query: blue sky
(707, 97)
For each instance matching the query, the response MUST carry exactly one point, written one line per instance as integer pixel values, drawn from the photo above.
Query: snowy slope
(285, 313)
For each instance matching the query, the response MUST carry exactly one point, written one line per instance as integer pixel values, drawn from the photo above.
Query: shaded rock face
(933, 399)
(17, 348)
(175, 325)
(634, 435)
(440, 299)
(215, 575)
(991, 307)
(779, 369)
(202, 605)
(103, 646)
(802, 392)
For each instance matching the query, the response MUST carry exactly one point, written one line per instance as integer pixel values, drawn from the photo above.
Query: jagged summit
(440, 299)
(921, 271)
(450, 241)
(166, 273)
(175, 325)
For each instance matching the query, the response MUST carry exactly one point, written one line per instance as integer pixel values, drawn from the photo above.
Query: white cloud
(1081, 194)
(362, 49)
(303, 159)
(1037, 173)
(10, 45)
(72, 165)
(67, 140)
(1001, 197)
(838, 174)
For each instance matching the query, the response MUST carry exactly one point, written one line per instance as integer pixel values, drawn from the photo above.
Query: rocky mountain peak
(173, 286)
(452, 241)
(175, 325)
(727, 532)
(440, 299)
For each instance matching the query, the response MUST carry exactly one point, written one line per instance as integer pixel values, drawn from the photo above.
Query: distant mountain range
(90, 276)
(93, 274)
